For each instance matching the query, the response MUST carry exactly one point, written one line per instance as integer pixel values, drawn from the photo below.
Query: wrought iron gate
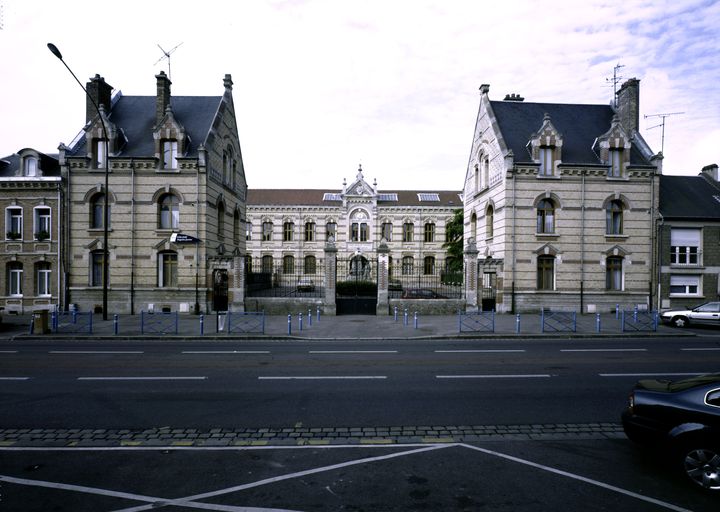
(356, 286)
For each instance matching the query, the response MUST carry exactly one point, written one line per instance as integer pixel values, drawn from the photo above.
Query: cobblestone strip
(301, 436)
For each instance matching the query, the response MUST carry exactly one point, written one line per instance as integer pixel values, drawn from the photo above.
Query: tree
(454, 242)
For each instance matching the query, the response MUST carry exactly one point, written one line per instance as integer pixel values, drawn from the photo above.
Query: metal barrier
(639, 321)
(558, 321)
(158, 323)
(479, 321)
(245, 322)
(71, 322)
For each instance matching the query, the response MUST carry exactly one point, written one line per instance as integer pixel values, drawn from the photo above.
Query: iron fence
(427, 279)
(71, 322)
(639, 321)
(289, 277)
(245, 322)
(477, 321)
(158, 323)
(558, 321)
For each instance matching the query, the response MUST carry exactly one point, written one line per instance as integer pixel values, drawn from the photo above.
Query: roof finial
(359, 174)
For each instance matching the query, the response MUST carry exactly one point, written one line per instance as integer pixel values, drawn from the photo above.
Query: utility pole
(662, 124)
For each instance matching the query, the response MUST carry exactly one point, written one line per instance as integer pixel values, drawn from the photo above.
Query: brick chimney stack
(163, 96)
(101, 93)
(628, 105)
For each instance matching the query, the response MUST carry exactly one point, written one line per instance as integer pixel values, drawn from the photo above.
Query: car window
(713, 398)
(710, 307)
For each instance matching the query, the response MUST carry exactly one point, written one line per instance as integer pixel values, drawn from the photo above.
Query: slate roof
(135, 116)
(579, 126)
(310, 197)
(689, 197)
(11, 163)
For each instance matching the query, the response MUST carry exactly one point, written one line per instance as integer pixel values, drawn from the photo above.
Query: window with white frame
(42, 223)
(167, 269)
(616, 163)
(546, 216)
(614, 218)
(546, 161)
(359, 232)
(13, 223)
(248, 230)
(170, 153)
(684, 285)
(14, 278)
(408, 263)
(30, 166)
(685, 246)
(386, 231)
(169, 212)
(99, 146)
(43, 274)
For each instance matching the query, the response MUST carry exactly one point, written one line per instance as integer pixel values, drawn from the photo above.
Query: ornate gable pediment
(360, 187)
(616, 138)
(546, 137)
(169, 128)
(547, 250)
(616, 250)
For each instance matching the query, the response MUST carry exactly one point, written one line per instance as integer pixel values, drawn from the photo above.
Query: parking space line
(527, 376)
(590, 481)
(190, 500)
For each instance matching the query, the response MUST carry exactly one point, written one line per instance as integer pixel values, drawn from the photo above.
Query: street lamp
(106, 253)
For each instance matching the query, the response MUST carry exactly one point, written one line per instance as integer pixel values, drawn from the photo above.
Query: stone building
(31, 194)
(176, 210)
(560, 205)
(689, 239)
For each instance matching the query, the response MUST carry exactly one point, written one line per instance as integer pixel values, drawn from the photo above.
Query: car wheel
(702, 466)
(680, 321)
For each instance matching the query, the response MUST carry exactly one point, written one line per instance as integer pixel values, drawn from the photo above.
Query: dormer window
(615, 157)
(30, 166)
(170, 153)
(99, 154)
(546, 161)
(545, 146)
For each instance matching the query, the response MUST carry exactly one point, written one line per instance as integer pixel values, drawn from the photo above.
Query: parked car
(708, 313)
(305, 284)
(682, 419)
(421, 293)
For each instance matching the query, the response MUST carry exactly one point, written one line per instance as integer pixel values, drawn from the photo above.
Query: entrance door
(220, 290)
(356, 287)
(489, 291)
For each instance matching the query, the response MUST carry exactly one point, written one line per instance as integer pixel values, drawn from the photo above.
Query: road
(518, 424)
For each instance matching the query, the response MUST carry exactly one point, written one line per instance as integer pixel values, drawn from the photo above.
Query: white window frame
(169, 154)
(15, 278)
(42, 222)
(10, 217)
(685, 246)
(44, 280)
(615, 158)
(687, 282)
(546, 161)
(30, 166)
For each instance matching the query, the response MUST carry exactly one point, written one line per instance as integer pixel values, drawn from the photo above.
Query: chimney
(711, 171)
(101, 93)
(628, 105)
(514, 97)
(163, 96)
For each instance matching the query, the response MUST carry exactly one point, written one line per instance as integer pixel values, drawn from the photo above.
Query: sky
(322, 86)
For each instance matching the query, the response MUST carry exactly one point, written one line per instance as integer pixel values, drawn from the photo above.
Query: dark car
(681, 418)
(707, 314)
(421, 293)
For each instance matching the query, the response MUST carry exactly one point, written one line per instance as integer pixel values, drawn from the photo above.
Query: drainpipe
(132, 236)
(658, 241)
(514, 225)
(57, 241)
(582, 244)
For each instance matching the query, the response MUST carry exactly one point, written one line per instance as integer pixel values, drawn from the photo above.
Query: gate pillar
(383, 279)
(471, 276)
(329, 307)
(237, 292)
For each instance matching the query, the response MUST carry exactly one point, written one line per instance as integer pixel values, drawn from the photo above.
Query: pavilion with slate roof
(560, 202)
(175, 166)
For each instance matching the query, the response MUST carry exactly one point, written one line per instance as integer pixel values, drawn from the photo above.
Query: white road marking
(699, 349)
(327, 377)
(96, 352)
(8, 351)
(521, 376)
(353, 352)
(191, 500)
(501, 351)
(603, 350)
(651, 374)
(225, 351)
(590, 481)
(142, 378)
(14, 378)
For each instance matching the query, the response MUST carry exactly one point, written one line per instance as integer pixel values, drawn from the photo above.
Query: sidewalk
(334, 327)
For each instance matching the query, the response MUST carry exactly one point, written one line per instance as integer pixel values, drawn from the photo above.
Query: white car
(708, 313)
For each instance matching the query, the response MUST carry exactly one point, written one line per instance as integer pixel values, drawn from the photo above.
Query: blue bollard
(617, 311)
(202, 325)
(416, 320)
(309, 317)
(115, 324)
(396, 313)
(289, 324)
(300, 317)
(517, 323)
(318, 314)
(406, 317)
(597, 322)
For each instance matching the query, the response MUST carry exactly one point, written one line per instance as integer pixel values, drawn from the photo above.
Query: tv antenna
(615, 80)
(663, 116)
(166, 55)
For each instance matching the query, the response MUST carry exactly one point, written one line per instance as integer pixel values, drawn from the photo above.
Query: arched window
(546, 273)
(407, 265)
(288, 265)
(331, 230)
(167, 269)
(42, 278)
(546, 216)
(236, 227)
(614, 217)
(473, 226)
(489, 220)
(386, 231)
(288, 229)
(408, 231)
(267, 229)
(613, 273)
(97, 206)
(309, 231)
(30, 166)
(310, 266)
(267, 264)
(221, 220)
(486, 173)
(168, 212)
(14, 278)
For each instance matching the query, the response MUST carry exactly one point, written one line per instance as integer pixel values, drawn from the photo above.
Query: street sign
(182, 238)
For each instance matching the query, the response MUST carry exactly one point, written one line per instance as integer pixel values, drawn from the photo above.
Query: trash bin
(40, 321)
